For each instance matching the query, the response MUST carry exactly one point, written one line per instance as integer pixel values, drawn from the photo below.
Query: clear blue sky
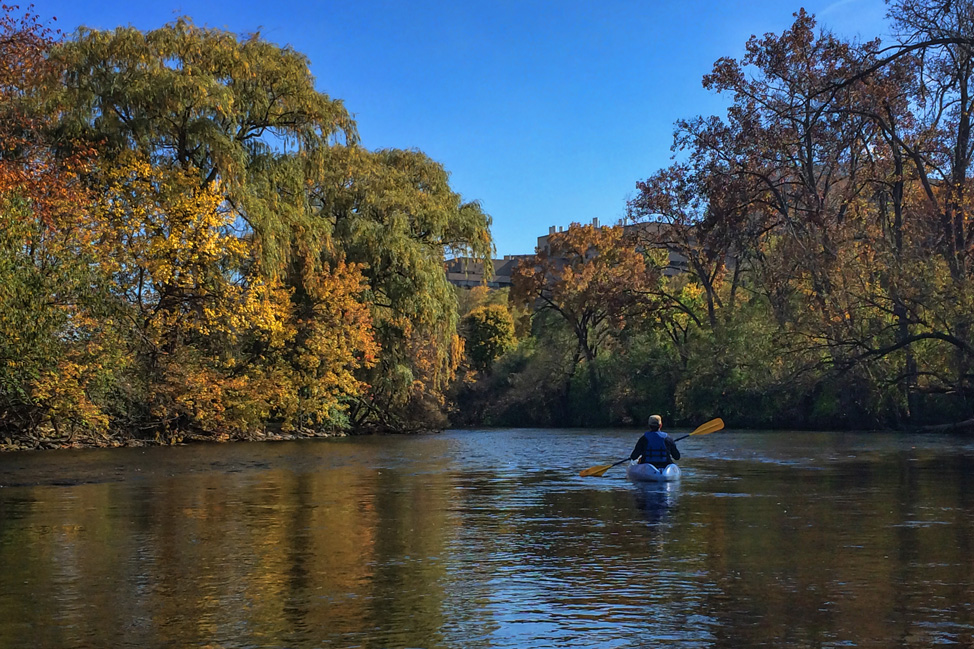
(547, 113)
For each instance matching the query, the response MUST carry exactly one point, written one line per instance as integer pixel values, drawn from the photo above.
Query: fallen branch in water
(966, 426)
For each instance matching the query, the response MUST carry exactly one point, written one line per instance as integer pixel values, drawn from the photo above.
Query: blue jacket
(656, 448)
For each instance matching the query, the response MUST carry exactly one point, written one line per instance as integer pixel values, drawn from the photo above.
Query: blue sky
(547, 113)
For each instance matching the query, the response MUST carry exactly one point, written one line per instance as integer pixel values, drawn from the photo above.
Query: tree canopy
(193, 243)
(242, 266)
(821, 231)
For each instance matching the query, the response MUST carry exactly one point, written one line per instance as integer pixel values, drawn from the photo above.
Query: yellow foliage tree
(220, 348)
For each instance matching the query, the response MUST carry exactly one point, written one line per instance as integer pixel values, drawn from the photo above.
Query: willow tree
(241, 111)
(191, 125)
(395, 214)
(334, 224)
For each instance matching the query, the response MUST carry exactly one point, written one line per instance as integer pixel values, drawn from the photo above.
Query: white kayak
(649, 473)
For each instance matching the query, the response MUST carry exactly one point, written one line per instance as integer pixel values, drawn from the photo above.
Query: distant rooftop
(467, 272)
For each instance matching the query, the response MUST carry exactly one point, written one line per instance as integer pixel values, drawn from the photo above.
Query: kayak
(649, 473)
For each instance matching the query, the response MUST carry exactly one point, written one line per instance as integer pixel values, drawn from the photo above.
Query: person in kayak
(655, 447)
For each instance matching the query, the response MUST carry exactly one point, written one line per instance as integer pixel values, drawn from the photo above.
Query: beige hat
(655, 421)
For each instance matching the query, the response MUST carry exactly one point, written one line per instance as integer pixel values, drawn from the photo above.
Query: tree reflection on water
(468, 539)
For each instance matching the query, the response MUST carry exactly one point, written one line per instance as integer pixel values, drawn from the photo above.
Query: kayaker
(655, 446)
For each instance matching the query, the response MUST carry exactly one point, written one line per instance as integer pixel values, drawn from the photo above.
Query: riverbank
(45, 443)
(42, 442)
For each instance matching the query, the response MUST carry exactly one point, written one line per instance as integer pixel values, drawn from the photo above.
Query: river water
(490, 539)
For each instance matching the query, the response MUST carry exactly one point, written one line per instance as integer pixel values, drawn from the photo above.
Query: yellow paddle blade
(602, 468)
(711, 426)
(596, 470)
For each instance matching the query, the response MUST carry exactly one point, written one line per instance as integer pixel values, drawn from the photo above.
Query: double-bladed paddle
(711, 426)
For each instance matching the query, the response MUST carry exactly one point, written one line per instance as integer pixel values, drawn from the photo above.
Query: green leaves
(257, 267)
(396, 215)
(489, 334)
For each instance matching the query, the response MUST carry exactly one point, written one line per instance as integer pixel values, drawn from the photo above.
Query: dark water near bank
(490, 539)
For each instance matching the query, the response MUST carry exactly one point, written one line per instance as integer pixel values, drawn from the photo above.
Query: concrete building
(467, 273)
(645, 231)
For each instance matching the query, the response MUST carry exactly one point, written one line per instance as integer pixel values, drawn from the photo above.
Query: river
(490, 539)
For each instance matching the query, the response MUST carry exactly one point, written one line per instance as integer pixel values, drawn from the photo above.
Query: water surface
(491, 539)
